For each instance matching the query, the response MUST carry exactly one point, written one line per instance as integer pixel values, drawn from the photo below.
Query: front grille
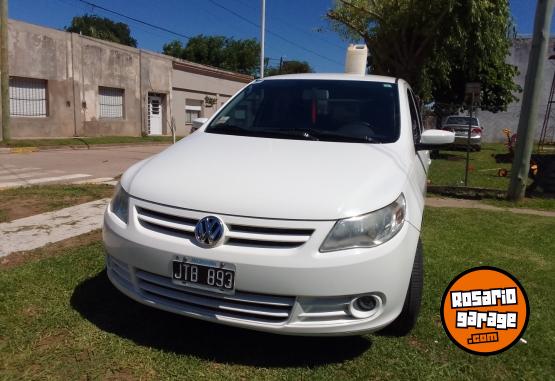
(241, 305)
(238, 235)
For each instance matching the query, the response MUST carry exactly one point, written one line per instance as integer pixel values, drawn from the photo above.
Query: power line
(273, 34)
(291, 25)
(136, 20)
(86, 8)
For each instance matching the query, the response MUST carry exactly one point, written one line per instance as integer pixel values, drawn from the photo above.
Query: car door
(422, 159)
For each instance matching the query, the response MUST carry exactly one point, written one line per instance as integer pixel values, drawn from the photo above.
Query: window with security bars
(111, 102)
(28, 97)
(193, 110)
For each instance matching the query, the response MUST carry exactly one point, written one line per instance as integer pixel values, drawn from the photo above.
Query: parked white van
(295, 209)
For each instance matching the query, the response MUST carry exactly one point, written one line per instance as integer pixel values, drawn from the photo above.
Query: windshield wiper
(296, 132)
(227, 127)
(323, 135)
(302, 133)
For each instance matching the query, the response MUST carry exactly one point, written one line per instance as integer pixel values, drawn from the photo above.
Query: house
(495, 123)
(65, 84)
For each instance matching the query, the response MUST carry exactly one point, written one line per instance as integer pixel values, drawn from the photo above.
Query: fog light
(366, 303)
(364, 306)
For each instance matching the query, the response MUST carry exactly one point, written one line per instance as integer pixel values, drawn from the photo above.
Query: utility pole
(262, 33)
(5, 76)
(280, 63)
(468, 140)
(528, 121)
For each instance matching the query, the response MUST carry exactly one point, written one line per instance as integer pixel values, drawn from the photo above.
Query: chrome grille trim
(120, 271)
(237, 235)
(242, 297)
(325, 309)
(211, 303)
(241, 305)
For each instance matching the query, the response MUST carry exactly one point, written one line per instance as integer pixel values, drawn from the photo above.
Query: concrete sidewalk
(437, 202)
(36, 231)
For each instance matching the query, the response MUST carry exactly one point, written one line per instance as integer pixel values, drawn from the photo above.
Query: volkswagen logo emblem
(209, 231)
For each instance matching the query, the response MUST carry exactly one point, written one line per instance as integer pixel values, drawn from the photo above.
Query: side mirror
(434, 139)
(197, 123)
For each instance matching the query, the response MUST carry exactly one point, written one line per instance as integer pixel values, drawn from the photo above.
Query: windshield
(328, 110)
(463, 120)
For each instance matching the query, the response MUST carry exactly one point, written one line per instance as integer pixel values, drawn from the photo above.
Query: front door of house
(154, 115)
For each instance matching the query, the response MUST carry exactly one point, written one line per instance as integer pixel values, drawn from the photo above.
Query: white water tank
(355, 61)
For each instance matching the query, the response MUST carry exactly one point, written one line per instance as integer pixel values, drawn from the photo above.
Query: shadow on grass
(103, 305)
(447, 156)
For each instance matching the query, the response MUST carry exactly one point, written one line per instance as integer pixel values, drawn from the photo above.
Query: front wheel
(406, 321)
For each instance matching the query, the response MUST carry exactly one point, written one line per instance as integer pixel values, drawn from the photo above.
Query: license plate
(204, 274)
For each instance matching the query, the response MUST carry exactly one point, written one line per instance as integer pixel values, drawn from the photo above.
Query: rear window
(463, 120)
(328, 110)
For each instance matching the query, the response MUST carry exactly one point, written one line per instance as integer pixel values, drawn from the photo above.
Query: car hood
(270, 178)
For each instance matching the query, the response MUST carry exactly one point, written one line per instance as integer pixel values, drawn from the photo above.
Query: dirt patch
(52, 339)
(119, 374)
(50, 250)
(27, 206)
(24, 202)
(30, 311)
(417, 344)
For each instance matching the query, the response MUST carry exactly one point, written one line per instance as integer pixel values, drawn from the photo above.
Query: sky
(295, 29)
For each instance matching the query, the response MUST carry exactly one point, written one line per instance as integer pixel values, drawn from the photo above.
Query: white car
(295, 209)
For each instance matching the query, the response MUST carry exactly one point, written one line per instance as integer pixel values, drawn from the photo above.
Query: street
(55, 166)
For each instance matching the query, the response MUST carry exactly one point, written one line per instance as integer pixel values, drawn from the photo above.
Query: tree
(223, 52)
(102, 28)
(436, 45)
(290, 67)
(173, 48)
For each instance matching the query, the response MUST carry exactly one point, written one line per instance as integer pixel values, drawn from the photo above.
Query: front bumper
(282, 290)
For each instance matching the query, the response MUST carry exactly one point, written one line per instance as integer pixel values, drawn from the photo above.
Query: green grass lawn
(61, 319)
(87, 141)
(449, 168)
(26, 201)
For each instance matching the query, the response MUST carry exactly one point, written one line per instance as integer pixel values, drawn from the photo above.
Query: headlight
(368, 230)
(120, 204)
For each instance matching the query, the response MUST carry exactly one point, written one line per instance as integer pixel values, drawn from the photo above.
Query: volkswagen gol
(295, 209)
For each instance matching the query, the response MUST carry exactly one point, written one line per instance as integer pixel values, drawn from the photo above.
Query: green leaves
(223, 52)
(436, 45)
(290, 67)
(102, 28)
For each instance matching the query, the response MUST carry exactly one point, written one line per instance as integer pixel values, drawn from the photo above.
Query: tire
(406, 321)
(477, 148)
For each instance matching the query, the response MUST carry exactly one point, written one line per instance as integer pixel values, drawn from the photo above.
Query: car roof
(334, 76)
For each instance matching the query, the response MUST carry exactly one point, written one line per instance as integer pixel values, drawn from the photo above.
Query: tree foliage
(102, 28)
(223, 52)
(290, 67)
(436, 45)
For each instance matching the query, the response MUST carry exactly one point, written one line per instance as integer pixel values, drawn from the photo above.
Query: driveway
(56, 166)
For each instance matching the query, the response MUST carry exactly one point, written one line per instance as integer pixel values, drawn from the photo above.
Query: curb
(18, 150)
(15, 150)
